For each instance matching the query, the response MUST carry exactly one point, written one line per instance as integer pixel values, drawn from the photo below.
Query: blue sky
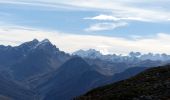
(111, 26)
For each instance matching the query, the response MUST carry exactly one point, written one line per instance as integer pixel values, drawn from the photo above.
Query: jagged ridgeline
(38, 70)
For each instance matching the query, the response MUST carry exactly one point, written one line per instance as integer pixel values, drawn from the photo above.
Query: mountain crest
(91, 53)
(35, 41)
(30, 43)
(45, 41)
(76, 62)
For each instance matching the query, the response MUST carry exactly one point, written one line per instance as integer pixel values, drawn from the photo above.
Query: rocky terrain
(152, 84)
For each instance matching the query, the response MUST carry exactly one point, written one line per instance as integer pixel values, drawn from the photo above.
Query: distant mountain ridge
(132, 56)
(40, 67)
(35, 57)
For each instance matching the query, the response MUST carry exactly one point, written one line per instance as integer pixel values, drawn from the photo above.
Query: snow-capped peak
(91, 53)
(45, 41)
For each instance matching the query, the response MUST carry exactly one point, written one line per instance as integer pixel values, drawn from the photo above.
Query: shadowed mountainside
(53, 74)
(152, 84)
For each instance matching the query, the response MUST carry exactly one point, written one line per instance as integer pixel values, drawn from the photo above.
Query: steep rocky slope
(152, 84)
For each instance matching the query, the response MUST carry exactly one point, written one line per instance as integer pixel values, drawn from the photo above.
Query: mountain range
(111, 63)
(38, 70)
(131, 57)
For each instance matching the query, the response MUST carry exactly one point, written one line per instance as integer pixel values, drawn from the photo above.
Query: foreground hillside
(152, 84)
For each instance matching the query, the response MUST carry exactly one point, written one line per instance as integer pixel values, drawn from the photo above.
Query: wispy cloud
(110, 15)
(114, 22)
(47, 5)
(127, 10)
(72, 42)
(120, 9)
(105, 26)
(104, 17)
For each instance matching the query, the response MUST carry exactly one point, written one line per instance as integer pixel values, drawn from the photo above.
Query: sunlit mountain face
(60, 50)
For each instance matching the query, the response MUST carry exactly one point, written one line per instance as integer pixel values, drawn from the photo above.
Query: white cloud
(115, 22)
(103, 17)
(121, 9)
(71, 42)
(39, 4)
(128, 9)
(105, 26)
(118, 10)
